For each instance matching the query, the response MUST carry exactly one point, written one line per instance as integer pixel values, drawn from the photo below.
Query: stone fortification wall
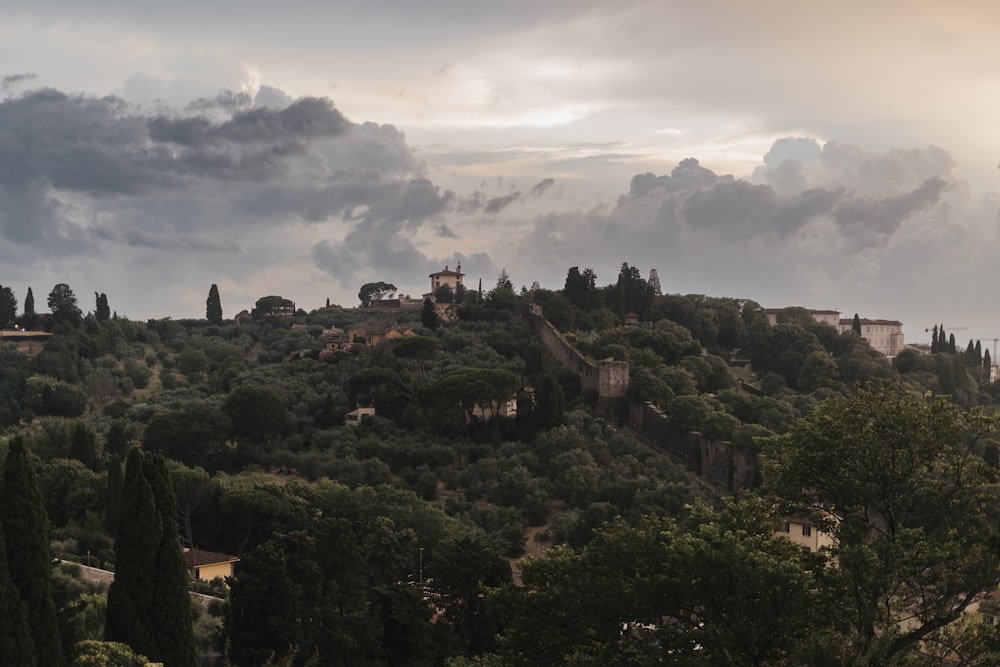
(565, 354)
(721, 465)
(609, 379)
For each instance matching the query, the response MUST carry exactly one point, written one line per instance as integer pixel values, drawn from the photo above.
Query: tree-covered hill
(390, 542)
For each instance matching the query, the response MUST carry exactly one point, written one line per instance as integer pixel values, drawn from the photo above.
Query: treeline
(389, 542)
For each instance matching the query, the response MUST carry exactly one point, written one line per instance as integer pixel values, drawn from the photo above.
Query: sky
(828, 155)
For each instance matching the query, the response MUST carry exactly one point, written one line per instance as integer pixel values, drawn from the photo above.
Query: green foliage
(271, 306)
(29, 303)
(502, 296)
(915, 538)
(581, 288)
(16, 645)
(213, 305)
(343, 586)
(371, 294)
(444, 294)
(45, 395)
(631, 294)
(428, 315)
(256, 414)
(63, 306)
(94, 653)
(102, 312)
(716, 588)
(25, 528)
(8, 307)
(149, 608)
(195, 433)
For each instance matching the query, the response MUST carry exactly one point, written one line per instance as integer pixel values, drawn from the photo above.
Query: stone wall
(609, 379)
(718, 463)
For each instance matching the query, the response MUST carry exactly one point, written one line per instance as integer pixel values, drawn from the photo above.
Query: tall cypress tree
(16, 647)
(102, 311)
(856, 324)
(112, 507)
(29, 303)
(149, 607)
(132, 594)
(934, 341)
(173, 624)
(26, 533)
(951, 343)
(213, 305)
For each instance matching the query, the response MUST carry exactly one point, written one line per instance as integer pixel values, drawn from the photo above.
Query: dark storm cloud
(884, 215)
(381, 235)
(542, 186)
(87, 175)
(444, 231)
(12, 80)
(497, 204)
(826, 218)
(686, 176)
(226, 100)
(307, 118)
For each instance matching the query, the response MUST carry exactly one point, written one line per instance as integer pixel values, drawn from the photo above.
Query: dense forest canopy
(489, 507)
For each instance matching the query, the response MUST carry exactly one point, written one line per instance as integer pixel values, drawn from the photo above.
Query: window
(788, 527)
(807, 530)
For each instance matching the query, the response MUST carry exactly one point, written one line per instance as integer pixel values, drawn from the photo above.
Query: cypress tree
(942, 340)
(213, 305)
(979, 352)
(132, 594)
(26, 533)
(934, 341)
(856, 324)
(428, 316)
(112, 508)
(102, 312)
(149, 607)
(173, 624)
(29, 303)
(951, 343)
(16, 647)
(987, 365)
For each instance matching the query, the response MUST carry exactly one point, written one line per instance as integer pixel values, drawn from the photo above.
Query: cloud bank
(270, 194)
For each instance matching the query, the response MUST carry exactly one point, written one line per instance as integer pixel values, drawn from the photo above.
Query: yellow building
(805, 532)
(450, 278)
(208, 565)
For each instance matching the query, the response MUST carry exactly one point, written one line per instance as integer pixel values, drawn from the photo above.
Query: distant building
(446, 277)
(884, 336)
(208, 565)
(805, 532)
(356, 416)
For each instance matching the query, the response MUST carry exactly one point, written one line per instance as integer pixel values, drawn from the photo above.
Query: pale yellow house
(450, 278)
(804, 531)
(885, 336)
(354, 417)
(363, 336)
(208, 565)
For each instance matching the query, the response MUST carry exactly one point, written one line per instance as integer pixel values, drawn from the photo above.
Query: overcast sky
(830, 155)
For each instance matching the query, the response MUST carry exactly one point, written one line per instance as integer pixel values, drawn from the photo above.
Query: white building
(884, 336)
